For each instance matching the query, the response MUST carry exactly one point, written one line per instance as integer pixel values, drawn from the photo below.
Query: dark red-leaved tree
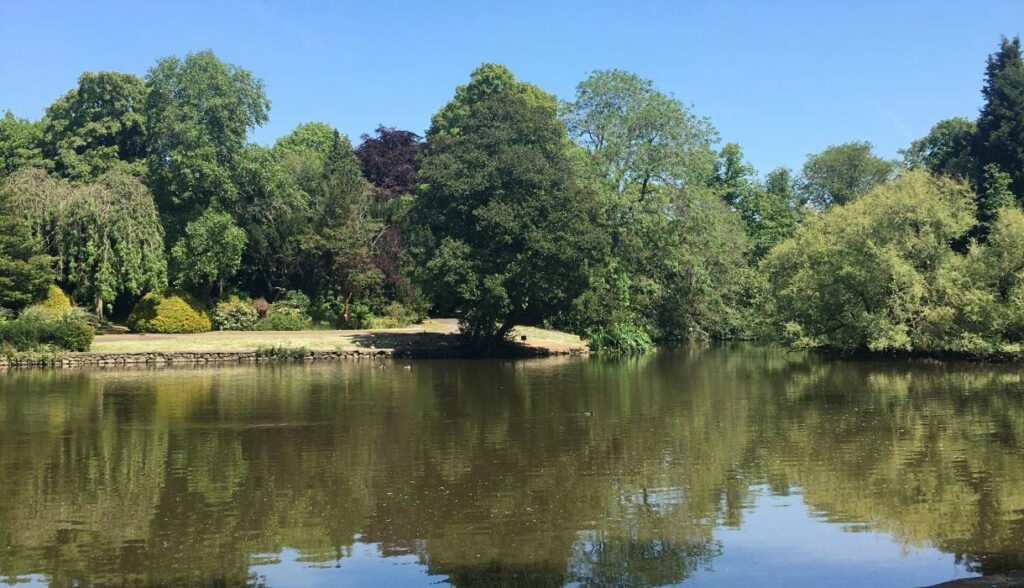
(389, 160)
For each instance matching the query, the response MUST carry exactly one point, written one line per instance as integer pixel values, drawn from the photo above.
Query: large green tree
(640, 136)
(842, 173)
(98, 126)
(105, 235)
(510, 232)
(198, 113)
(879, 274)
(677, 251)
(1000, 136)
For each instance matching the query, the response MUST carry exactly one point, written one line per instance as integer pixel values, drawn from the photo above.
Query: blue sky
(782, 78)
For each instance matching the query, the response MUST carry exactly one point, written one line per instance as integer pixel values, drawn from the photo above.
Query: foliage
(508, 231)
(677, 262)
(209, 252)
(193, 139)
(20, 141)
(281, 321)
(395, 315)
(1000, 136)
(282, 353)
(771, 211)
(877, 274)
(25, 272)
(290, 313)
(638, 135)
(56, 304)
(619, 339)
(175, 312)
(35, 333)
(97, 127)
(946, 150)
(993, 196)
(106, 236)
(842, 173)
(389, 160)
(234, 314)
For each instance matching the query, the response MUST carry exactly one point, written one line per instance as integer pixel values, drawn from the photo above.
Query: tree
(946, 150)
(344, 229)
(275, 214)
(106, 235)
(1000, 136)
(20, 144)
(198, 113)
(640, 136)
(878, 274)
(510, 235)
(98, 126)
(389, 161)
(842, 173)
(209, 253)
(25, 272)
(994, 195)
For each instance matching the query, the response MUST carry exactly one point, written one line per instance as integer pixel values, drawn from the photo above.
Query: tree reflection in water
(535, 472)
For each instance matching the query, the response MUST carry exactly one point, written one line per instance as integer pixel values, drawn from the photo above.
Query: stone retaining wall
(216, 357)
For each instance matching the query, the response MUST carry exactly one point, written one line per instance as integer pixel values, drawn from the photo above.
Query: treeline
(616, 215)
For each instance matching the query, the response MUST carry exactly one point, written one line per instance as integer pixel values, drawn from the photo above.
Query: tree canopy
(98, 126)
(842, 173)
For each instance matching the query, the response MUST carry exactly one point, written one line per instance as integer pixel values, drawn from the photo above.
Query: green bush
(173, 313)
(31, 333)
(235, 314)
(281, 321)
(619, 339)
(294, 303)
(395, 316)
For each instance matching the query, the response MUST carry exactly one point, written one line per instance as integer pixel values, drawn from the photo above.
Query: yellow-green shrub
(56, 304)
(172, 313)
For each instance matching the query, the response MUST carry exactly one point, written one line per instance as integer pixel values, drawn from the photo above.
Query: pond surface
(714, 466)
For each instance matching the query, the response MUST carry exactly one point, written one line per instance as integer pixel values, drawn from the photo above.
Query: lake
(714, 466)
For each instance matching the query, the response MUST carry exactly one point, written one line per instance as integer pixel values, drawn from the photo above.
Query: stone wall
(89, 359)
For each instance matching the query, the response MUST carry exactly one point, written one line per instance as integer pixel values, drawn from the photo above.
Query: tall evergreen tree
(1000, 137)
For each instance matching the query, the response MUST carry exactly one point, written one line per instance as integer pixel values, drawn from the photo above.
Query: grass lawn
(312, 340)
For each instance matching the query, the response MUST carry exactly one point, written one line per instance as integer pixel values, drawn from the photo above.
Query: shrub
(280, 321)
(395, 315)
(262, 306)
(57, 302)
(619, 339)
(173, 313)
(294, 303)
(235, 314)
(31, 333)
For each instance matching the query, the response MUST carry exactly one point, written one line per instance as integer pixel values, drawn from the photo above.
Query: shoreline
(437, 339)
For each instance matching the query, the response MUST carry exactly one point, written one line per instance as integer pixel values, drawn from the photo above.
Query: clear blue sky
(782, 78)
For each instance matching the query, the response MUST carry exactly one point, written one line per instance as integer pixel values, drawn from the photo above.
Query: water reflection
(645, 472)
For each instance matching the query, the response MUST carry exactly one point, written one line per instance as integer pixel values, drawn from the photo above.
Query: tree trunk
(99, 308)
(503, 331)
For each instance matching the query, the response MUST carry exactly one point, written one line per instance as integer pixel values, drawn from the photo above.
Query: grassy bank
(430, 336)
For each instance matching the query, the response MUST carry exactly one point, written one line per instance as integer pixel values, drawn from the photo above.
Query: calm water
(716, 466)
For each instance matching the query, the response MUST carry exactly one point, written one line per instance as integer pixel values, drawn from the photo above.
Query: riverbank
(435, 338)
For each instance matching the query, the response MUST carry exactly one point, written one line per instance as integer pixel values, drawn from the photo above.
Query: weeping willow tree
(106, 236)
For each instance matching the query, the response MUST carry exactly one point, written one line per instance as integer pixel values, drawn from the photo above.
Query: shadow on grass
(428, 345)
